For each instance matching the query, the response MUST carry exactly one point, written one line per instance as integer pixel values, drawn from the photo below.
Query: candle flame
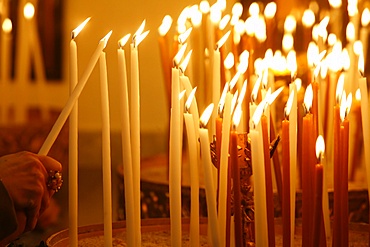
(358, 94)
(106, 38)
(224, 21)
(357, 47)
(185, 62)
(258, 114)
(234, 100)
(78, 29)
(184, 36)
(324, 24)
(237, 9)
(254, 9)
(350, 32)
(165, 26)
(345, 59)
(256, 87)
(339, 90)
(365, 17)
(298, 84)
(312, 53)
(195, 16)
(7, 25)
(288, 42)
(222, 41)
(204, 6)
(140, 38)
(140, 29)
(215, 13)
(332, 39)
(28, 11)
(237, 116)
(292, 62)
(122, 42)
(308, 18)
(308, 96)
(270, 10)
(206, 115)
(348, 103)
(243, 92)
(274, 95)
(234, 80)
(320, 147)
(190, 99)
(290, 24)
(343, 106)
(229, 61)
(181, 94)
(221, 103)
(335, 3)
(289, 104)
(180, 54)
(361, 64)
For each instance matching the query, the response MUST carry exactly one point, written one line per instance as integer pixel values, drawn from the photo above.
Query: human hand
(25, 176)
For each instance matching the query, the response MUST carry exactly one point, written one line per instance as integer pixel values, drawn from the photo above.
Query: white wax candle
(106, 152)
(135, 136)
(209, 186)
(216, 87)
(73, 150)
(126, 150)
(194, 179)
(53, 134)
(185, 82)
(224, 164)
(365, 126)
(175, 147)
(293, 157)
(260, 216)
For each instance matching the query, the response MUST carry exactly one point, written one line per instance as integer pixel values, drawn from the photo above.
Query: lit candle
(6, 48)
(344, 138)
(287, 179)
(308, 19)
(307, 197)
(73, 142)
(260, 215)
(268, 180)
(194, 171)
(175, 148)
(165, 53)
(320, 148)
(364, 32)
(135, 125)
(269, 13)
(224, 164)
(45, 148)
(356, 157)
(365, 122)
(337, 171)
(126, 144)
(208, 178)
(216, 79)
(238, 227)
(106, 152)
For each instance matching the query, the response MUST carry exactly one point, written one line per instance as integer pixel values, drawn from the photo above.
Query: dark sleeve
(8, 219)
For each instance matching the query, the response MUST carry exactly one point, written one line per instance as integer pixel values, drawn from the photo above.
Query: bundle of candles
(237, 91)
(241, 56)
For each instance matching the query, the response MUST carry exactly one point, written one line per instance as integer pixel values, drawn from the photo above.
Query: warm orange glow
(361, 63)
(298, 83)
(256, 87)
(215, 14)
(254, 9)
(357, 47)
(204, 6)
(29, 11)
(223, 22)
(365, 17)
(350, 32)
(358, 95)
(320, 147)
(179, 55)
(335, 3)
(184, 36)
(260, 28)
(140, 38)
(346, 62)
(290, 24)
(237, 9)
(244, 59)
(312, 53)
(234, 80)
(221, 103)
(206, 115)
(332, 39)
(352, 7)
(243, 92)
(7, 25)
(270, 10)
(274, 95)
(289, 104)
(78, 29)
(292, 62)
(258, 113)
(165, 26)
(195, 16)
(106, 38)
(308, 18)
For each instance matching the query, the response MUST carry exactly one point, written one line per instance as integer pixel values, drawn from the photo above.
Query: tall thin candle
(126, 144)
(106, 152)
(73, 142)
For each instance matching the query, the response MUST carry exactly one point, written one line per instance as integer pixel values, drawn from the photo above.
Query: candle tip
(106, 38)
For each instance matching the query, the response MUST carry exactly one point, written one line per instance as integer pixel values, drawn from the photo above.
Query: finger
(49, 163)
(45, 198)
(32, 213)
